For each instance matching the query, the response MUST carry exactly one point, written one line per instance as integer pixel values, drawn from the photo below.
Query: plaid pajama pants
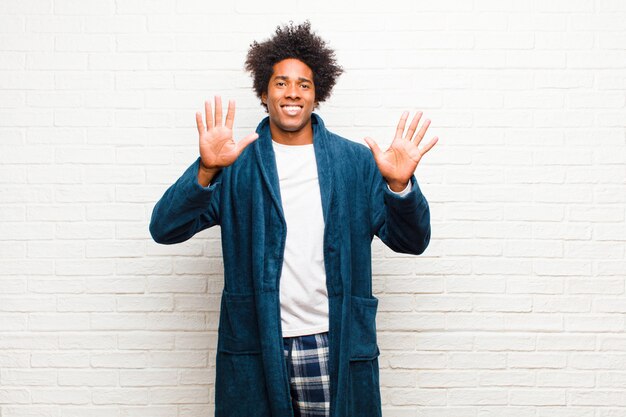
(307, 363)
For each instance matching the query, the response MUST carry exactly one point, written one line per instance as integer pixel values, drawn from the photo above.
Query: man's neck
(303, 136)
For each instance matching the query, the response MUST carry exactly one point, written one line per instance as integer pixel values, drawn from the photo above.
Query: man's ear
(264, 98)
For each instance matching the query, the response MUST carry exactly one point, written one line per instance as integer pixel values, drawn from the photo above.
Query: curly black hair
(297, 42)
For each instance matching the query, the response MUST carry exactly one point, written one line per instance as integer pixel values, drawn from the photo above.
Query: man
(298, 208)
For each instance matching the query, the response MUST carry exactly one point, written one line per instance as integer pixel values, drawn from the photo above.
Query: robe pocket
(238, 328)
(363, 344)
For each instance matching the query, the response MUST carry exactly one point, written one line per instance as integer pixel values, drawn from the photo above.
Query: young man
(298, 208)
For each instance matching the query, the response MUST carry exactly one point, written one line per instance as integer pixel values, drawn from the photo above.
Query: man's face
(290, 96)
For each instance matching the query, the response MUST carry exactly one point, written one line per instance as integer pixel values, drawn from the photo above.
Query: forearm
(404, 222)
(186, 208)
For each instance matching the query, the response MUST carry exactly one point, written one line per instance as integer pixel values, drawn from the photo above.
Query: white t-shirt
(303, 293)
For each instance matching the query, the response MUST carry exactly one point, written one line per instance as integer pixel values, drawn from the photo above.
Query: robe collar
(322, 145)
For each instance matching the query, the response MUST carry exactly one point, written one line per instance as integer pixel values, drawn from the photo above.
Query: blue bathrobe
(244, 199)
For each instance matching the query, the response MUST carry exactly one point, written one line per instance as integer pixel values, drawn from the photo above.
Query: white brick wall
(518, 308)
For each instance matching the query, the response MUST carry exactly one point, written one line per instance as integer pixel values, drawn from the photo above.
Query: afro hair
(299, 42)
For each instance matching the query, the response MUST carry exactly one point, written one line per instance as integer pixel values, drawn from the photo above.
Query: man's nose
(292, 91)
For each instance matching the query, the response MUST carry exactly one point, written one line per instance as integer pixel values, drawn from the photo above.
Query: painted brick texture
(518, 307)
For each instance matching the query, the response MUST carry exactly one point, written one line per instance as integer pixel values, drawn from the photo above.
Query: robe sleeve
(401, 222)
(186, 208)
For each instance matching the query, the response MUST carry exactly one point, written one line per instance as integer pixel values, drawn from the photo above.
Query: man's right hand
(217, 147)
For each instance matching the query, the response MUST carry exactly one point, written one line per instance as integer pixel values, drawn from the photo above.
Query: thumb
(241, 145)
(373, 147)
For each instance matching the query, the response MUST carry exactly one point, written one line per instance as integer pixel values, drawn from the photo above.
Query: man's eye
(280, 83)
(306, 86)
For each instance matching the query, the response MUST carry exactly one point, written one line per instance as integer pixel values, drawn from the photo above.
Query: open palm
(217, 147)
(397, 164)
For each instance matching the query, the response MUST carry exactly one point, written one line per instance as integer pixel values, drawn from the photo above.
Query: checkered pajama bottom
(307, 363)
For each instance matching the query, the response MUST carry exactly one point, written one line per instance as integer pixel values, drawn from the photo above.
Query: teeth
(292, 110)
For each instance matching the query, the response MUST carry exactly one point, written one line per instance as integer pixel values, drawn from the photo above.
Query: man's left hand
(397, 164)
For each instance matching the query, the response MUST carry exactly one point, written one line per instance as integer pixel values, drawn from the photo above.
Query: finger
(218, 111)
(413, 125)
(401, 124)
(230, 116)
(422, 132)
(376, 151)
(208, 113)
(241, 145)
(429, 145)
(199, 123)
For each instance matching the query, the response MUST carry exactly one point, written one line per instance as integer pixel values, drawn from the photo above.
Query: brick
(146, 340)
(15, 396)
(29, 411)
(417, 360)
(611, 380)
(187, 284)
(54, 285)
(59, 360)
(597, 398)
(14, 250)
(564, 379)
(117, 321)
(145, 303)
(26, 80)
(443, 303)
(126, 396)
(561, 304)
(88, 378)
(190, 322)
(84, 303)
(115, 285)
(58, 321)
(27, 304)
(57, 250)
(14, 360)
(505, 343)
(536, 360)
(149, 411)
(13, 322)
(48, 23)
(148, 378)
(477, 397)
(533, 322)
(596, 286)
(212, 303)
(118, 23)
(565, 342)
(446, 379)
(82, 267)
(541, 397)
(464, 284)
(93, 342)
(506, 378)
(475, 322)
(178, 359)
(596, 323)
(119, 360)
(89, 7)
(564, 267)
(179, 395)
(14, 23)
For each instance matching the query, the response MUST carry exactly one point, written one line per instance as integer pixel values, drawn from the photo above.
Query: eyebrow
(301, 79)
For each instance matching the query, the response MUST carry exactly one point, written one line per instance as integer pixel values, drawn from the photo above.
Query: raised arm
(191, 204)
(401, 222)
